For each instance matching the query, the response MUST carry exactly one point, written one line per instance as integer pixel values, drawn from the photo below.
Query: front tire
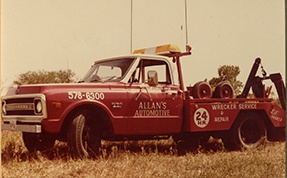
(83, 139)
(38, 142)
(248, 131)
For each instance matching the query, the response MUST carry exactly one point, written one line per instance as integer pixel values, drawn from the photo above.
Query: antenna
(131, 37)
(186, 32)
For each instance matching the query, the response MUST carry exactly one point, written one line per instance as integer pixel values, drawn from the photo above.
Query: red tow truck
(142, 96)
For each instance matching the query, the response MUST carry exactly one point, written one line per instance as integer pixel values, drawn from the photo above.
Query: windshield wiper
(110, 78)
(96, 80)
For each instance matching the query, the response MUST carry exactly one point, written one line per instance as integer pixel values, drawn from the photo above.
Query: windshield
(111, 70)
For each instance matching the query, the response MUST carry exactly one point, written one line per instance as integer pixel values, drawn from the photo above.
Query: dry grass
(142, 159)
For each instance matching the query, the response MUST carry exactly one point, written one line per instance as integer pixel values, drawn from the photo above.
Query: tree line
(42, 76)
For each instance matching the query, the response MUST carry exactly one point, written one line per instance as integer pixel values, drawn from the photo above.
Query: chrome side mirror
(152, 78)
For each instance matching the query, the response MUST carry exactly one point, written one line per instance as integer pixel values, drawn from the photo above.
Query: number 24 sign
(201, 117)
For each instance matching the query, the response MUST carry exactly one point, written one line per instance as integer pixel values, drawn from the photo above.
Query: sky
(72, 34)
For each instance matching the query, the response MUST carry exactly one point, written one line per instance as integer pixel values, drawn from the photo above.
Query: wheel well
(96, 116)
(263, 115)
(273, 133)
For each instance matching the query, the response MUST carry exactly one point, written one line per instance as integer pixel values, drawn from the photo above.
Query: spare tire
(201, 90)
(223, 90)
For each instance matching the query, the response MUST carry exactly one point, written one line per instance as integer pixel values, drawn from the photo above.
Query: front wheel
(83, 139)
(38, 142)
(248, 131)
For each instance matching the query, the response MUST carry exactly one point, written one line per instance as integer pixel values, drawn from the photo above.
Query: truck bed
(219, 114)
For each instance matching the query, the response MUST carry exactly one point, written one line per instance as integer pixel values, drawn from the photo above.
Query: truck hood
(51, 88)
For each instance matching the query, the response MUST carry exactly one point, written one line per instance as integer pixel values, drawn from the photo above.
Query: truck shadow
(111, 149)
(117, 148)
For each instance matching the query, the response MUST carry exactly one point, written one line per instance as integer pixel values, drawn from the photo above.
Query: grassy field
(142, 159)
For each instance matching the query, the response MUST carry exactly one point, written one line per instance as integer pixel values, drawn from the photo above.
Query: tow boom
(255, 82)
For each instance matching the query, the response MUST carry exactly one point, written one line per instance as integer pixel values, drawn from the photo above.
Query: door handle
(139, 94)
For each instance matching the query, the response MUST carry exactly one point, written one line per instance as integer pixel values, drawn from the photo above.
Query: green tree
(41, 76)
(228, 73)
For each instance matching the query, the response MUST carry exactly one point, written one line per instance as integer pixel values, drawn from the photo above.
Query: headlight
(38, 106)
(4, 108)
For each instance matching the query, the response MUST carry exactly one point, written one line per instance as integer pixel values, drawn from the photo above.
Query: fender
(55, 125)
(277, 115)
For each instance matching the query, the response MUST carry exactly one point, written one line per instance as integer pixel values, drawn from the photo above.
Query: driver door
(155, 102)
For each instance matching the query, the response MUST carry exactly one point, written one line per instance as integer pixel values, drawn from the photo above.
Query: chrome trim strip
(22, 128)
(24, 119)
(19, 107)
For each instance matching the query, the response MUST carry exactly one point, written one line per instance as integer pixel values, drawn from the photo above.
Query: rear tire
(248, 131)
(190, 142)
(83, 139)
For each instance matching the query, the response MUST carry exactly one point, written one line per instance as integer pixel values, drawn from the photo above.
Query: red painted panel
(216, 116)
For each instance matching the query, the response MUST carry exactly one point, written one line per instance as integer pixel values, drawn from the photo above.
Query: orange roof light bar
(163, 49)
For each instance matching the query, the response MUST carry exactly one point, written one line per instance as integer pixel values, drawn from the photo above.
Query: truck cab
(135, 96)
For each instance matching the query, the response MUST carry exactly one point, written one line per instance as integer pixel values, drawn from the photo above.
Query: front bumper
(13, 126)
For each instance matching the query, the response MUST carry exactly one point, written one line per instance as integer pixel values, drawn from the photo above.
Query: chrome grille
(23, 105)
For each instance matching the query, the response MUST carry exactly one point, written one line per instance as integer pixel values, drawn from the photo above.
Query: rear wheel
(248, 131)
(190, 142)
(83, 139)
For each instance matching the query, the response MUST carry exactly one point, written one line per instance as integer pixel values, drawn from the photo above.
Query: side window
(161, 67)
(162, 73)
